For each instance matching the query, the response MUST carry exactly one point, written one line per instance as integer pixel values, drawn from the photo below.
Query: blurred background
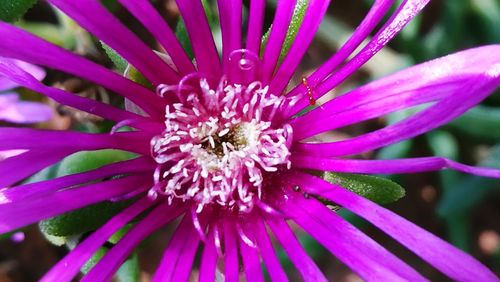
(460, 208)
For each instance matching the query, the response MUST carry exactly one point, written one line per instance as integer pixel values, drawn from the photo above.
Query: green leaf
(91, 217)
(119, 62)
(82, 220)
(89, 160)
(130, 270)
(480, 122)
(12, 10)
(297, 18)
(93, 260)
(376, 189)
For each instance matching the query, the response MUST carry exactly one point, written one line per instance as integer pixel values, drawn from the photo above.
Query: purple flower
(220, 145)
(15, 111)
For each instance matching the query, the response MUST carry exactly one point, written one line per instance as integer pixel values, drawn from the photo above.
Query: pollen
(218, 145)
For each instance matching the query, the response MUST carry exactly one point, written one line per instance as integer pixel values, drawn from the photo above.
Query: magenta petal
(93, 16)
(316, 9)
(67, 268)
(451, 261)
(22, 45)
(268, 253)
(427, 82)
(209, 258)
(255, 25)
(410, 165)
(304, 264)
(7, 84)
(231, 262)
(13, 110)
(230, 24)
(14, 169)
(361, 253)
(91, 106)
(114, 258)
(178, 258)
(251, 262)
(152, 20)
(38, 189)
(458, 102)
(279, 28)
(28, 138)
(405, 12)
(20, 213)
(207, 58)
(372, 18)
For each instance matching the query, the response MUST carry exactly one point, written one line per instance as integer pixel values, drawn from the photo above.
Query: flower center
(219, 144)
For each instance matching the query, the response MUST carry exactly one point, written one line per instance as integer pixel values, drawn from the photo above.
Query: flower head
(219, 143)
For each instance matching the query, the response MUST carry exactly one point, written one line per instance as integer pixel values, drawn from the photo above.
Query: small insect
(310, 92)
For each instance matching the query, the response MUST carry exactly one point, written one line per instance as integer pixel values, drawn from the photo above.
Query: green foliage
(377, 189)
(90, 217)
(94, 260)
(119, 62)
(130, 270)
(12, 10)
(82, 220)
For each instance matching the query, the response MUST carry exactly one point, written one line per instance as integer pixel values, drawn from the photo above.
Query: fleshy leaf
(119, 62)
(12, 10)
(91, 217)
(82, 220)
(93, 260)
(129, 271)
(297, 18)
(480, 122)
(376, 189)
(124, 67)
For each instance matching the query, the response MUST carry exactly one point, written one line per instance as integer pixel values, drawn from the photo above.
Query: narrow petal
(178, 258)
(407, 11)
(279, 29)
(230, 24)
(18, 214)
(358, 251)
(99, 21)
(88, 105)
(207, 58)
(410, 165)
(424, 121)
(451, 261)
(37, 189)
(114, 258)
(316, 9)
(7, 84)
(255, 25)
(268, 253)
(17, 168)
(29, 138)
(304, 264)
(15, 111)
(67, 268)
(152, 20)
(427, 82)
(371, 20)
(251, 262)
(209, 259)
(231, 262)
(22, 45)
